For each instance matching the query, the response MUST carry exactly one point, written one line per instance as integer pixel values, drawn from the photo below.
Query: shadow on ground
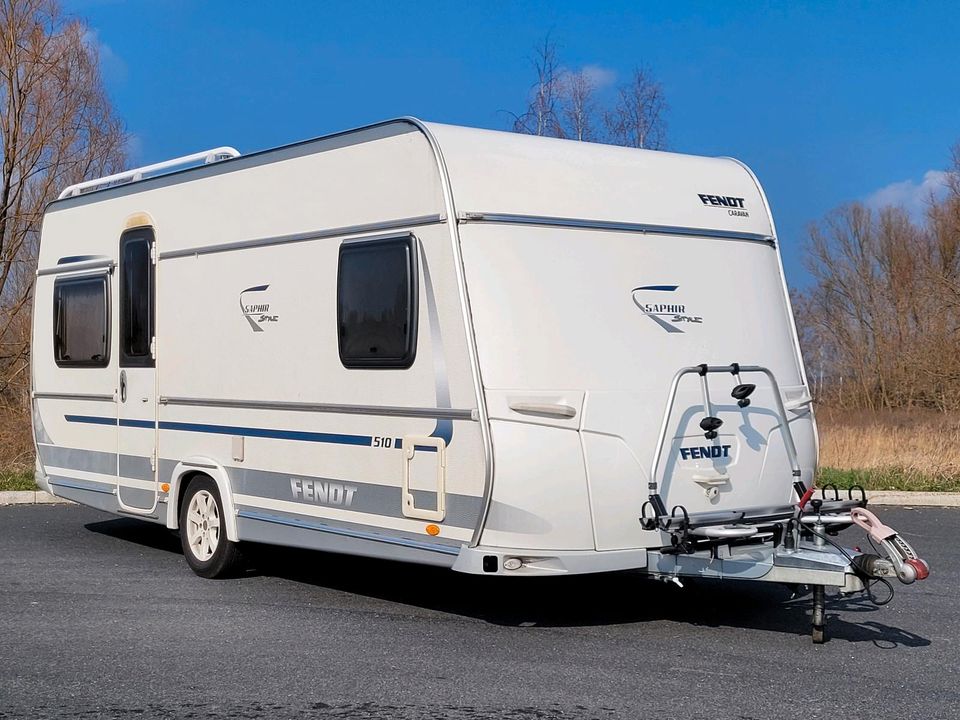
(569, 601)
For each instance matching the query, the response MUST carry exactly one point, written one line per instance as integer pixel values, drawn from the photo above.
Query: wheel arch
(187, 470)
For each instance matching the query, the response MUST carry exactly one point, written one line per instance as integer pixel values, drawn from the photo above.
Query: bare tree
(542, 115)
(564, 103)
(57, 127)
(639, 117)
(578, 105)
(883, 316)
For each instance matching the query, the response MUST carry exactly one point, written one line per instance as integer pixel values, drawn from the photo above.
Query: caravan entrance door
(137, 407)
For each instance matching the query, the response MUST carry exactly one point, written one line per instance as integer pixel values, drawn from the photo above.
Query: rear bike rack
(787, 525)
(710, 424)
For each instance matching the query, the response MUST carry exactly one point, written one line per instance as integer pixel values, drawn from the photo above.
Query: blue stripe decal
(338, 439)
(444, 429)
(267, 433)
(664, 288)
(145, 424)
(294, 522)
(95, 420)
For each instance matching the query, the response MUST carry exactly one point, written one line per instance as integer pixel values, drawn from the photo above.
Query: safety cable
(838, 547)
(869, 586)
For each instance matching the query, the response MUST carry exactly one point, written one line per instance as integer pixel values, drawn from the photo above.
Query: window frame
(410, 245)
(58, 284)
(140, 234)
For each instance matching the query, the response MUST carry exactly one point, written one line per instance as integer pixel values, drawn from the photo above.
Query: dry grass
(16, 450)
(890, 450)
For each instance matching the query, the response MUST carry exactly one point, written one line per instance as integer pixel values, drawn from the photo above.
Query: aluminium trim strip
(791, 318)
(384, 226)
(102, 263)
(467, 316)
(73, 396)
(380, 410)
(390, 540)
(75, 485)
(587, 224)
(205, 466)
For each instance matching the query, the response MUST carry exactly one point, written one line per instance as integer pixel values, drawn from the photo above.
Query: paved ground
(100, 617)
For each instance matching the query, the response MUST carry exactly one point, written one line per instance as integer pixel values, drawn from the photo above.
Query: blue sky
(827, 102)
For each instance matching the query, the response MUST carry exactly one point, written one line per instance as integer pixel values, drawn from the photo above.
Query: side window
(81, 322)
(377, 303)
(136, 298)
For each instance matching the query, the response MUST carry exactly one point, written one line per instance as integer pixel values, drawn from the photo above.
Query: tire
(203, 532)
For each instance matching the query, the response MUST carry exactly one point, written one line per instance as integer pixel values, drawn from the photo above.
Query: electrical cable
(869, 587)
(869, 590)
(838, 547)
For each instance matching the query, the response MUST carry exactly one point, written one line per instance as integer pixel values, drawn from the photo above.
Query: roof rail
(129, 176)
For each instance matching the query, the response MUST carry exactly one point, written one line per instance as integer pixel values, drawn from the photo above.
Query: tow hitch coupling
(901, 558)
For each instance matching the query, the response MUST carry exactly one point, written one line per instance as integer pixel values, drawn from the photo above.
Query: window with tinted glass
(80, 322)
(376, 303)
(136, 299)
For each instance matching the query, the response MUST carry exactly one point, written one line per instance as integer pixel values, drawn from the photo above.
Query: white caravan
(503, 354)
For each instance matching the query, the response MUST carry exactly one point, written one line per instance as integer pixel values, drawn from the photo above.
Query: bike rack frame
(703, 371)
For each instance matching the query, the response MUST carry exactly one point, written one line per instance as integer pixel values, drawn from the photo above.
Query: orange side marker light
(165, 487)
(433, 530)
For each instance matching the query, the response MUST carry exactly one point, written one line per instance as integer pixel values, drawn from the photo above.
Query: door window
(136, 299)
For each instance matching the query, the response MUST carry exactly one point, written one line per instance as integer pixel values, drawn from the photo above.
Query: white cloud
(599, 76)
(911, 196)
(133, 149)
(112, 66)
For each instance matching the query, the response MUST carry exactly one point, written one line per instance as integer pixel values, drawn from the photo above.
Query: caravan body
(555, 289)
(475, 349)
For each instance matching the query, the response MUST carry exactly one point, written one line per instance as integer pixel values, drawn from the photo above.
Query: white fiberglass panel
(614, 316)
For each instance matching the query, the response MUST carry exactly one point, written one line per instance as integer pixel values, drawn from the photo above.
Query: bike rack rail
(704, 370)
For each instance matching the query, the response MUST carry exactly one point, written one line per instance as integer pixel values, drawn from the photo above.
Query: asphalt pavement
(100, 617)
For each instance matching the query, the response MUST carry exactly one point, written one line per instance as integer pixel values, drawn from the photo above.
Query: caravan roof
(494, 173)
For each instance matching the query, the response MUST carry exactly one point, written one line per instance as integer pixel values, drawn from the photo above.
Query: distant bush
(890, 450)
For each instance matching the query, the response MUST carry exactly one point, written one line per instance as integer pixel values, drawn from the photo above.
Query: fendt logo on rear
(705, 452)
(734, 205)
(656, 306)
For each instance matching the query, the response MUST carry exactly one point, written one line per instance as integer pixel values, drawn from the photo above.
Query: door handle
(123, 386)
(550, 410)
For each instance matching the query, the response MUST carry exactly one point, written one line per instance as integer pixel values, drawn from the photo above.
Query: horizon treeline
(880, 325)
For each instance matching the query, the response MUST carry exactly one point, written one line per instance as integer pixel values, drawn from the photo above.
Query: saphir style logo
(255, 307)
(659, 304)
